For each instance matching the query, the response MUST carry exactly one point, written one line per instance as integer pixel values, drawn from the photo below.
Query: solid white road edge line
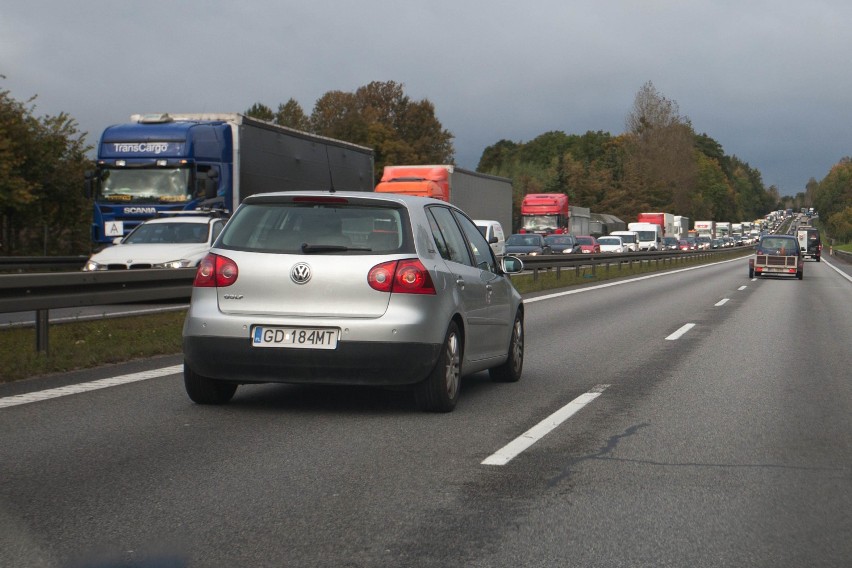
(721, 302)
(511, 450)
(90, 386)
(620, 282)
(680, 332)
(837, 270)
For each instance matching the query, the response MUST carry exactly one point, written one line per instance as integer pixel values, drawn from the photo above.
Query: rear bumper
(352, 363)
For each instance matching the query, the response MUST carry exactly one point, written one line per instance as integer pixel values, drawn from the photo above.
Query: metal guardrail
(44, 292)
(35, 263)
(559, 263)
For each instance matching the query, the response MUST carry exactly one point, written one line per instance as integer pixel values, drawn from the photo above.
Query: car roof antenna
(330, 174)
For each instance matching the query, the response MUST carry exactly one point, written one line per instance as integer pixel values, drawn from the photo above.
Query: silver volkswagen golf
(351, 288)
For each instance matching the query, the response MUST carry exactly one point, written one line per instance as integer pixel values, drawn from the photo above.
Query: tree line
(658, 164)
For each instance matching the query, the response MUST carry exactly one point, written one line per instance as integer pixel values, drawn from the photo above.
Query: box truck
(481, 196)
(182, 162)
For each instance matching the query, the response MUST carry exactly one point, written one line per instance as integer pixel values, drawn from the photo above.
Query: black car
(810, 242)
(562, 244)
(527, 244)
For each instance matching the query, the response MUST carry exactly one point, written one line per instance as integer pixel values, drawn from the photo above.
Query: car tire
(204, 390)
(439, 392)
(510, 371)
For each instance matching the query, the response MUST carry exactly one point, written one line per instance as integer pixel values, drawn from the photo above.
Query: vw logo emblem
(300, 273)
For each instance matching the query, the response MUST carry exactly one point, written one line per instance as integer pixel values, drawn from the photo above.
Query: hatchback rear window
(299, 228)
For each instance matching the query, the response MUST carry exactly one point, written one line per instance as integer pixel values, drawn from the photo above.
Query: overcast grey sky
(769, 80)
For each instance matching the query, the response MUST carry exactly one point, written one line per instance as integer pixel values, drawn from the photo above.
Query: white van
(629, 238)
(493, 233)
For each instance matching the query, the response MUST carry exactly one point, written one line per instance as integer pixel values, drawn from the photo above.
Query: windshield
(609, 241)
(558, 240)
(295, 228)
(161, 185)
(647, 235)
(168, 233)
(534, 223)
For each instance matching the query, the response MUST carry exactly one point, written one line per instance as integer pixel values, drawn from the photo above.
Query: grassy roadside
(82, 345)
(87, 344)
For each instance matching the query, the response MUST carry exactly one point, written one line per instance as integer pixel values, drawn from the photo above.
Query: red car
(589, 244)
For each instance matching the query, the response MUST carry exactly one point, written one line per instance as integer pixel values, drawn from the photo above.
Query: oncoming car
(351, 288)
(562, 244)
(179, 241)
(531, 244)
(611, 244)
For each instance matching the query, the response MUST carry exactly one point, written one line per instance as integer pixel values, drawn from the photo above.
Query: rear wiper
(306, 248)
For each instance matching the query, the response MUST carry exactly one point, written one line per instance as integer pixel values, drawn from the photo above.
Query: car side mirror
(511, 264)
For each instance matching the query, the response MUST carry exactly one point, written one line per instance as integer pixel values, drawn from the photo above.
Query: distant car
(531, 244)
(669, 243)
(629, 238)
(611, 244)
(717, 243)
(777, 255)
(493, 233)
(588, 244)
(809, 242)
(178, 241)
(704, 243)
(562, 244)
(684, 244)
(351, 288)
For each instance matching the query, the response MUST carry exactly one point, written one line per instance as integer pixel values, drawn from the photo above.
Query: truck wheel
(439, 392)
(800, 274)
(510, 371)
(204, 390)
(817, 258)
(750, 272)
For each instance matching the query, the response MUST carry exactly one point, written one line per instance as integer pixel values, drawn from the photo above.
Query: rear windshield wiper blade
(306, 248)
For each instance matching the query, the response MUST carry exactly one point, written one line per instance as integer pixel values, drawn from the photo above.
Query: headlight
(182, 263)
(91, 266)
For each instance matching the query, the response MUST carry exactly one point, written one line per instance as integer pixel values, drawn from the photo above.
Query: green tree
(261, 112)
(42, 165)
(291, 114)
(381, 116)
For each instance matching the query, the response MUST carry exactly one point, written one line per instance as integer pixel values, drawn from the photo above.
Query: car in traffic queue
(669, 243)
(529, 244)
(777, 255)
(175, 241)
(494, 235)
(562, 244)
(685, 245)
(588, 244)
(703, 243)
(351, 288)
(612, 244)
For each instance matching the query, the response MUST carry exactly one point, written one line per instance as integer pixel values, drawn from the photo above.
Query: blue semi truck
(165, 163)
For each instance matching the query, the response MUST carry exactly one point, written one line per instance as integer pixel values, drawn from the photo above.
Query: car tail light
(215, 272)
(402, 277)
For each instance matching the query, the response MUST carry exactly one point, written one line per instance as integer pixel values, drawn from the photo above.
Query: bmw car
(165, 242)
(348, 288)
